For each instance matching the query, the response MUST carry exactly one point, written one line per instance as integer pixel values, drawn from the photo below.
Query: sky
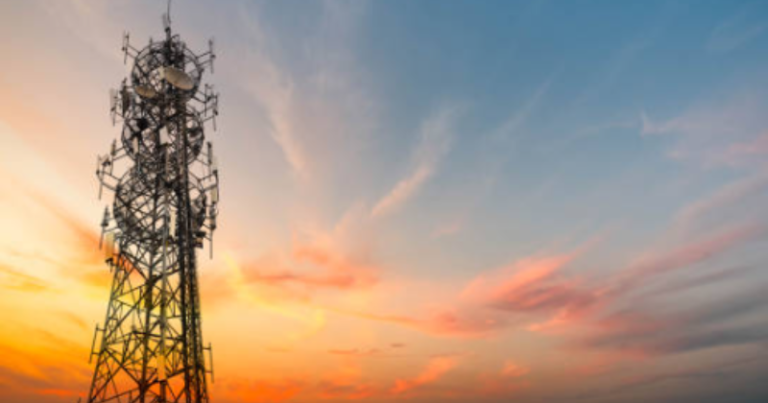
(422, 201)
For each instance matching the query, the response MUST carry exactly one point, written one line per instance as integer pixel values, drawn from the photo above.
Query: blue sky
(509, 200)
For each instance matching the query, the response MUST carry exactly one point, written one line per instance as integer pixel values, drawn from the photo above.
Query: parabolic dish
(179, 79)
(145, 91)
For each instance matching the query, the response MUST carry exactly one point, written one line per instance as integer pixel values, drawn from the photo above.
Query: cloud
(388, 351)
(86, 239)
(346, 382)
(260, 391)
(723, 201)
(440, 321)
(320, 105)
(497, 299)
(534, 286)
(508, 380)
(684, 256)
(729, 132)
(16, 280)
(625, 321)
(505, 285)
(71, 246)
(717, 374)
(349, 391)
(356, 352)
(586, 311)
(736, 31)
(340, 281)
(435, 369)
(725, 321)
(513, 370)
(510, 128)
(756, 147)
(276, 93)
(75, 320)
(42, 364)
(467, 321)
(316, 260)
(717, 277)
(436, 136)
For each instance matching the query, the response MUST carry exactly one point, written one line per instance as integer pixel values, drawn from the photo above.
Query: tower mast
(164, 177)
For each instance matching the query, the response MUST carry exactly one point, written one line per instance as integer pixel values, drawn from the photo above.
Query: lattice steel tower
(165, 182)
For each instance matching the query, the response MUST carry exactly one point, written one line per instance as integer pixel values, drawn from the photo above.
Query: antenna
(167, 18)
(212, 52)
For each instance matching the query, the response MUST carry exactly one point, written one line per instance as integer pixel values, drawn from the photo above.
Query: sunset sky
(422, 201)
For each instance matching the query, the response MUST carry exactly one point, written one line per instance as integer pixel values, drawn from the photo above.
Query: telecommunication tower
(164, 177)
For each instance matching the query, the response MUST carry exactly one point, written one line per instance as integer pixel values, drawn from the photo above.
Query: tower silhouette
(164, 177)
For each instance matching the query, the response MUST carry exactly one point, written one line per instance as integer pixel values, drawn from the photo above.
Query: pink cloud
(508, 380)
(513, 370)
(681, 257)
(431, 373)
(314, 261)
(534, 286)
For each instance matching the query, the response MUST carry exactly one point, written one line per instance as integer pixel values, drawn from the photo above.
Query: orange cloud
(315, 261)
(434, 370)
(259, 391)
(345, 382)
(504, 382)
(86, 238)
(355, 352)
(513, 370)
(42, 364)
(16, 280)
(80, 254)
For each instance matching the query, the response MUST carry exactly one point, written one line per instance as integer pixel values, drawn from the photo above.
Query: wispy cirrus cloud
(726, 322)
(16, 280)
(729, 132)
(721, 203)
(737, 30)
(684, 256)
(435, 139)
(310, 113)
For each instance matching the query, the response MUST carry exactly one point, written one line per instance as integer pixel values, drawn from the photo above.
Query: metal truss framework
(165, 182)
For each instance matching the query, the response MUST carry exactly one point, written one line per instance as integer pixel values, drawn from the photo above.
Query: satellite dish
(179, 79)
(145, 91)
